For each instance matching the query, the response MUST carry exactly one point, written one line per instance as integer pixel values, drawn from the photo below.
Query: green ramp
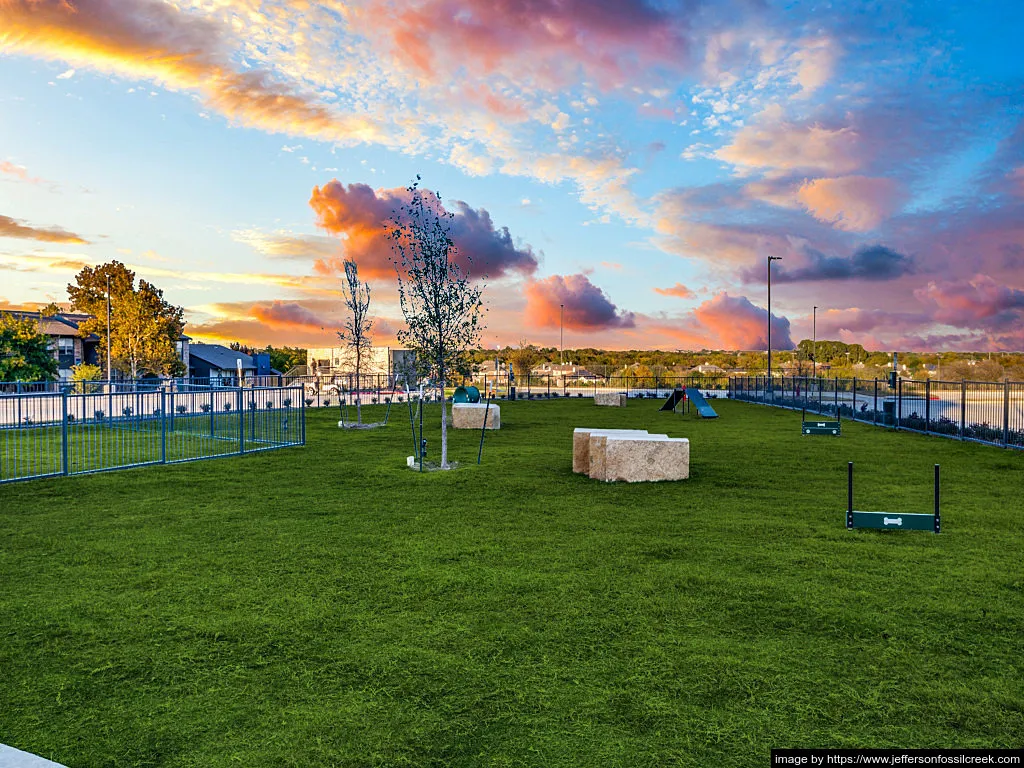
(705, 410)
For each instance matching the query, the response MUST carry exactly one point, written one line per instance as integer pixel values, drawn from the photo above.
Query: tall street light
(561, 336)
(814, 344)
(770, 260)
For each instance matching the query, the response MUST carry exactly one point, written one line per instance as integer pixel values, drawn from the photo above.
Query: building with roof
(67, 343)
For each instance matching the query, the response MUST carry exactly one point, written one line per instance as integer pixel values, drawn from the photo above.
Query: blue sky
(635, 162)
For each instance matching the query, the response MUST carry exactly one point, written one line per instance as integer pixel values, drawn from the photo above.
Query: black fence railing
(982, 411)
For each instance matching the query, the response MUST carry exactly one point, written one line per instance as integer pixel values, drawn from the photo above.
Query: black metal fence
(982, 411)
(45, 434)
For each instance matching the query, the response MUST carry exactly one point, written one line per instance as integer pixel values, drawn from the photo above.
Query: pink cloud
(548, 41)
(774, 145)
(17, 171)
(678, 290)
(587, 308)
(358, 214)
(978, 302)
(737, 324)
(852, 203)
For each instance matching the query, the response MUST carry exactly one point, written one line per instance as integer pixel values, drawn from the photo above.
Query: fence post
(302, 414)
(874, 405)
(241, 422)
(163, 426)
(1006, 413)
(64, 433)
(963, 407)
(854, 408)
(899, 402)
(927, 404)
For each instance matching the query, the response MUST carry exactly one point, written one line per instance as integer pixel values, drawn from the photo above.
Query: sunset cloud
(586, 307)
(549, 42)
(151, 40)
(19, 172)
(980, 302)
(735, 323)
(678, 290)
(773, 145)
(288, 246)
(14, 228)
(851, 203)
(358, 214)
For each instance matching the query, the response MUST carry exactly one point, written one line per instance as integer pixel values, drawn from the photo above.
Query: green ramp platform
(891, 520)
(705, 410)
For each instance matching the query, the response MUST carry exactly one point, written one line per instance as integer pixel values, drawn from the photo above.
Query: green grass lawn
(326, 606)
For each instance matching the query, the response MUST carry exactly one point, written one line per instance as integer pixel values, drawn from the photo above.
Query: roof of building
(62, 324)
(220, 357)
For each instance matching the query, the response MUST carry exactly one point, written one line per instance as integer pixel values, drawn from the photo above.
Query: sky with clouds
(620, 167)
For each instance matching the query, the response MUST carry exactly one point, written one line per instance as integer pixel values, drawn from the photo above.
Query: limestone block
(610, 398)
(471, 416)
(598, 444)
(636, 459)
(581, 445)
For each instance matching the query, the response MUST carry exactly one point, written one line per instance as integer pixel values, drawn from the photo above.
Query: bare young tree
(442, 308)
(356, 331)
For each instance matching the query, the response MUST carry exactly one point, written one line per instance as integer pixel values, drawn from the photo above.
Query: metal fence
(982, 411)
(45, 434)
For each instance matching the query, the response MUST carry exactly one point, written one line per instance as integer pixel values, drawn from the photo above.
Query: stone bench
(610, 398)
(471, 416)
(581, 445)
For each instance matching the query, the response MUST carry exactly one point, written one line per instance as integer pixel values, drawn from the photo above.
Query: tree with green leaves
(355, 333)
(442, 308)
(25, 353)
(523, 358)
(144, 327)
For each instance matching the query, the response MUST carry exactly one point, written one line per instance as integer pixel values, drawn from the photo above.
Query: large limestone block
(471, 416)
(598, 444)
(610, 398)
(646, 459)
(581, 445)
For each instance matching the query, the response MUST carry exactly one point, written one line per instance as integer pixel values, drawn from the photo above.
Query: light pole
(108, 333)
(814, 343)
(561, 334)
(770, 260)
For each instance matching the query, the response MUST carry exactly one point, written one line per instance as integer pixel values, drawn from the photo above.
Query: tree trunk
(444, 427)
(359, 392)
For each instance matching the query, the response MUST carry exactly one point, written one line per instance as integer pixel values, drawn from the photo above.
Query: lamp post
(814, 343)
(108, 333)
(561, 335)
(770, 260)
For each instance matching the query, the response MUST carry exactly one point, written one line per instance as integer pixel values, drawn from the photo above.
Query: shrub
(270, 405)
(252, 405)
(181, 408)
(126, 411)
(309, 401)
(286, 403)
(327, 401)
(205, 407)
(98, 415)
(227, 406)
(28, 421)
(71, 418)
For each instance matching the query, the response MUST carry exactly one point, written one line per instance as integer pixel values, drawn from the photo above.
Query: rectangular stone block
(646, 459)
(471, 416)
(598, 444)
(581, 445)
(617, 399)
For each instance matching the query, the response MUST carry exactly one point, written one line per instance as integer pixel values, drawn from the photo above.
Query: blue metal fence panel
(53, 433)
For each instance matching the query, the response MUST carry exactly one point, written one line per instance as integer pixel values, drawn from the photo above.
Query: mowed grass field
(326, 606)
